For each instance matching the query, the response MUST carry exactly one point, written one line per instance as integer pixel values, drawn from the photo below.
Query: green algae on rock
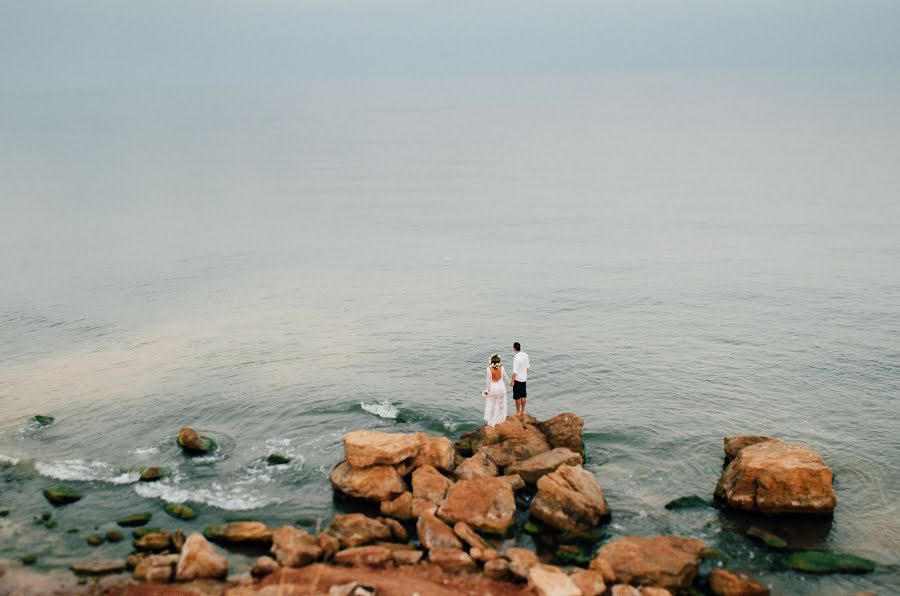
(141, 532)
(180, 511)
(768, 538)
(95, 539)
(820, 561)
(689, 502)
(193, 443)
(151, 474)
(59, 496)
(42, 420)
(114, 536)
(136, 519)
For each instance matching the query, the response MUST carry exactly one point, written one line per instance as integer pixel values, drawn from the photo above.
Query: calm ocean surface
(682, 257)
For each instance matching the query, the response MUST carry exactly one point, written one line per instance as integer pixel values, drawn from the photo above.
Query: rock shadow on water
(798, 532)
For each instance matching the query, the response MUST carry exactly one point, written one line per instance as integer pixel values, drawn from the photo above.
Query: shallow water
(681, 258)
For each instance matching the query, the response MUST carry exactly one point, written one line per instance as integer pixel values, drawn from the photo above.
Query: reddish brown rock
(406, 557)
(437, 452)
(399, 508)
(420, 506)
(398, 532)
(364, 556)
(356, 529)
(294, 548)
(156, 568)
(533, 468)
(376, 483)
(497, 569)
(434, 533)
(569, 499)
(429, 484)
(200, 560)
(154, 542)
(774, 477)
(515, 482)
(605, 569)
(669, 562)
(477, 466)
(469, 536)
(591, 583)
(244, 532)
(487, 505)
(735, 443)
(193, 443)
(547, 580)
(731, 583)
(365, 448)
(329, 545)
(263, 567)
(512, 440)
(654, 591)
(451, 559)
(564, 430)
(520, 561)
(624, 590)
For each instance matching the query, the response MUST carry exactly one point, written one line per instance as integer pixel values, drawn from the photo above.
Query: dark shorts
(519, 390)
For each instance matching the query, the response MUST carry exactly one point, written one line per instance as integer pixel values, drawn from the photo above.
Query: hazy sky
(98, 43)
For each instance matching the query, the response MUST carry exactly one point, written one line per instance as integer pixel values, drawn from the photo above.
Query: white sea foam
(382, 409)
(450, 426)
(85, 471)
(9, 461)
(145, 451)
(234, 495)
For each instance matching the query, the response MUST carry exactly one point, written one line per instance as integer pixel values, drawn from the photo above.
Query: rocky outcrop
(429, 484)
(193, 443)
(245, 532)
(773, 477)
(365, 448)
(570, 500)
(669, 562)
(487, 505)
(564, 430)
(437, 452)
(512, 440)
(434, 533)
(533, 468)
(200, 560)
(294, 548)
(723, 582)
(734, 443)
(477, 466)
(356, 529)
(547, 580)
(375, 483)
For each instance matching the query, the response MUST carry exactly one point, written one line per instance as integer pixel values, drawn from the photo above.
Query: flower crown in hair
(498, 362)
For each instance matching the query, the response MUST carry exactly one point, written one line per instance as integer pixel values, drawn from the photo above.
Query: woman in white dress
(495, 392)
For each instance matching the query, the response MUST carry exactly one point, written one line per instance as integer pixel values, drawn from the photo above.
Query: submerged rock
(200, 560)
(135, 519)
(98, 566)
(533, 468)
(569, 499)
(294, 548)
(690, 502)
(817, 561)
(768, 538)
(487, 505)
(139, 532)
(180, 511)
(375, 483)
(244, 532)
(277, 459)
(95, 539)
(723, 582)
(59, 496)
(42, 420)
(29, 559)
(151, 474)
(356, 529)
(670, 562)
(193, 443)
(366, 448)
(735, 443)
(774, 477)
(477, 466)
(114, 536)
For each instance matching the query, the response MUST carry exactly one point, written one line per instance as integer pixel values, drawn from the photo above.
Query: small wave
(8, 461)
(450, 425)
(237, 495)
(141, 451)
(85, 471)
(382, 409)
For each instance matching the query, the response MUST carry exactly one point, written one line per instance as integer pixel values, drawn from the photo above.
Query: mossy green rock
(193, 443)
(95, 539)
(306, 522)
(46, 515)
(137, 519)
(180, 511)
(61, 496)
(768, 538)
(140, 532)
(43, 420)
(819, 561)
(114, 536)
(690, 502)
(29, 559)
(4, 512)
(72, 531)
(572, 555)
(532, 527)
(276, 459)
(50, 524)
(709, 553)
(151, 474)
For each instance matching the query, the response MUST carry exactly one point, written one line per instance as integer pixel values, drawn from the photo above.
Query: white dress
(495, 403)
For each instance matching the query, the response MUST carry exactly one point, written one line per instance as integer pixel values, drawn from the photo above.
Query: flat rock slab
(669, 562)
(534, 467)
(486, 505)
(375, 483)
(774, 477)
(366, 448)
(98, 566)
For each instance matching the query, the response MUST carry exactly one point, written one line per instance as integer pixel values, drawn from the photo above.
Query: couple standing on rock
(495, 386)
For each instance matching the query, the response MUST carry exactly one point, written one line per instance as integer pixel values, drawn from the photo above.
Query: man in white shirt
(519, 376)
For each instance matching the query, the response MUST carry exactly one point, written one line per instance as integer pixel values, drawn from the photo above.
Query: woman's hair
(495, 361)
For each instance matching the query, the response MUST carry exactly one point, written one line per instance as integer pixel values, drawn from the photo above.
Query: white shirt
(520, 366)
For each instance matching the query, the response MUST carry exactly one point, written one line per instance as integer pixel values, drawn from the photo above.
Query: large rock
(591, 583)
(512, 440)
(533, 468)
(487, 505)
(569, 499)
(193, 443)
(435, 451)
(244, 532)
(429, 484)
(477, 466)
(731, 583)
(564, 430)
(376, 483)
(366, 448)
(547, 580)
(774, 477)
(451, 559)
(399, 508)
(356, 529)
(734, 443)
(670, 562)
(200, 560)
(434, 533)
(294, 548)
